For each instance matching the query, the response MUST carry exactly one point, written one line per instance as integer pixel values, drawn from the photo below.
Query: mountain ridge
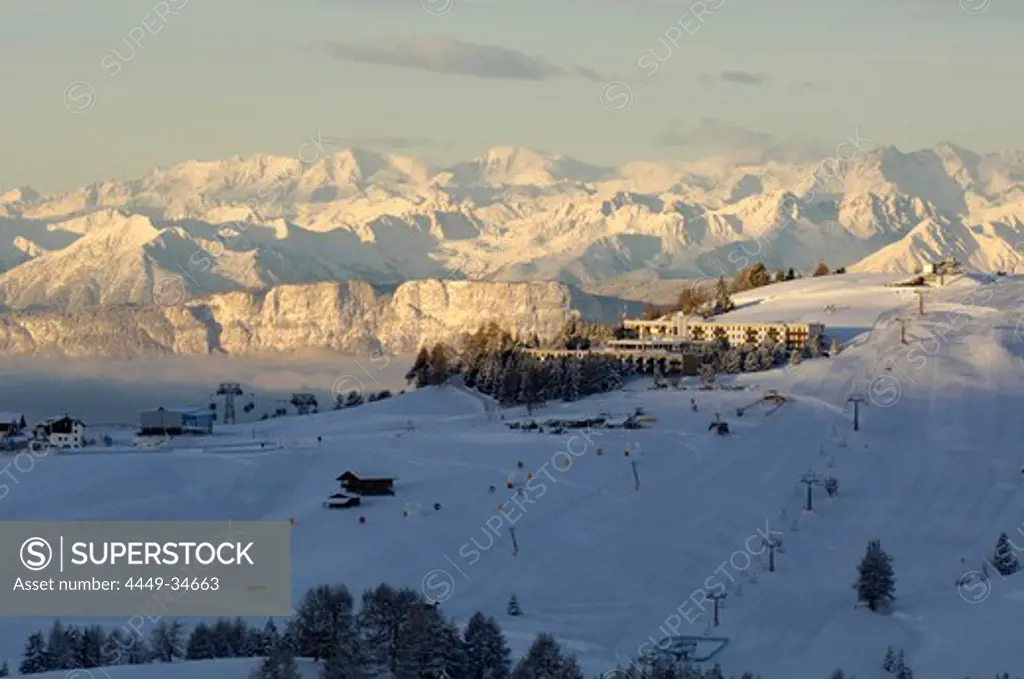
(510, 214)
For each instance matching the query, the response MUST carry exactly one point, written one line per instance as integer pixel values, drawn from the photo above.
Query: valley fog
(112, 392)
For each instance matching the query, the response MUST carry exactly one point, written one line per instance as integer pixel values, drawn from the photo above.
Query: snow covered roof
(57, 418)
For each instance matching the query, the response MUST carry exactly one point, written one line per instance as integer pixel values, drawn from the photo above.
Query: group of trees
(704, 298)
(397, 632)
(492, 362)
(355, 398)
(68, 647)
(896, 665)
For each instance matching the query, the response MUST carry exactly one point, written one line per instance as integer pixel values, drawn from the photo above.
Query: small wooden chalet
(351, 483)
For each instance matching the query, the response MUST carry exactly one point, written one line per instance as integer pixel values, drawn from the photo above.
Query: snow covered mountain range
(248, 224)
(511, 214)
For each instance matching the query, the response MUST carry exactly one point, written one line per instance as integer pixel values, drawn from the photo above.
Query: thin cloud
(455, 57)
(743, 78)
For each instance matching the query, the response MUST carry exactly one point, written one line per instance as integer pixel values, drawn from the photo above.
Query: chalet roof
(59, 418)
(352, 475)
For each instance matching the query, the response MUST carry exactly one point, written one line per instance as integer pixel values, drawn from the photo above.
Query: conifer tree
(546, 660)
(486, 654)
(88, 651)
(279, 665)
(114, 648)
(889, 663)
(513, 606)
(752, 362)
(419, 374)
(270, 637)
(876, 582)
(1004, 558)
(323, 622)
(379, 620)
(58, 647)
(34, 660)
(166, 641)
(834, 348)
(572, 379)
(139, 652)
(200, 644)
(732, 362)
(723, 302)
(428, 646)
(4, 669)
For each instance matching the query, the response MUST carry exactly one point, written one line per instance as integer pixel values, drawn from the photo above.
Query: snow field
(934, 473)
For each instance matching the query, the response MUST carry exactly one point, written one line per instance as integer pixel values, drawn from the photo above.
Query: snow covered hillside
(511, 214)
(934, 473)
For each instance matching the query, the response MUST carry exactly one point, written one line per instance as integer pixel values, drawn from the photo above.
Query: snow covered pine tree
(876, 582)
(513, 606)
(1004, 558)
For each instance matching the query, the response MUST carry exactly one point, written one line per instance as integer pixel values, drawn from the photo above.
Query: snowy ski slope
(934, 473)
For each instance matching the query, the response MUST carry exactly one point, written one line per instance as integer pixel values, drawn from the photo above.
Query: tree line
(711, 299)
(395, 632)
(494, 363)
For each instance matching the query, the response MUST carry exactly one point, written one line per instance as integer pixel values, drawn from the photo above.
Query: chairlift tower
(773, 545)
(229, 390)
(856, 401)
(716, 597)
(810, 479)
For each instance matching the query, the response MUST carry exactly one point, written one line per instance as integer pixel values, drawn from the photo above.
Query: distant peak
(22, 194)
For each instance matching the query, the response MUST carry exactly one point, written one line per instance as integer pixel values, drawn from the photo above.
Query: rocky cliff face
(349, 316)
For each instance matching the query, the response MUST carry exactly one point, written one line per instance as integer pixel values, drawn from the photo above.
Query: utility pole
(229, 390)
(716, 597)
(903, 329)
(515, 543)
(856, 401)
(636, 475)
(772, 544)
(810, 479)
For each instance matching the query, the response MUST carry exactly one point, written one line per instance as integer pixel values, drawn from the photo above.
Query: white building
(60, 432)
(680, 328)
